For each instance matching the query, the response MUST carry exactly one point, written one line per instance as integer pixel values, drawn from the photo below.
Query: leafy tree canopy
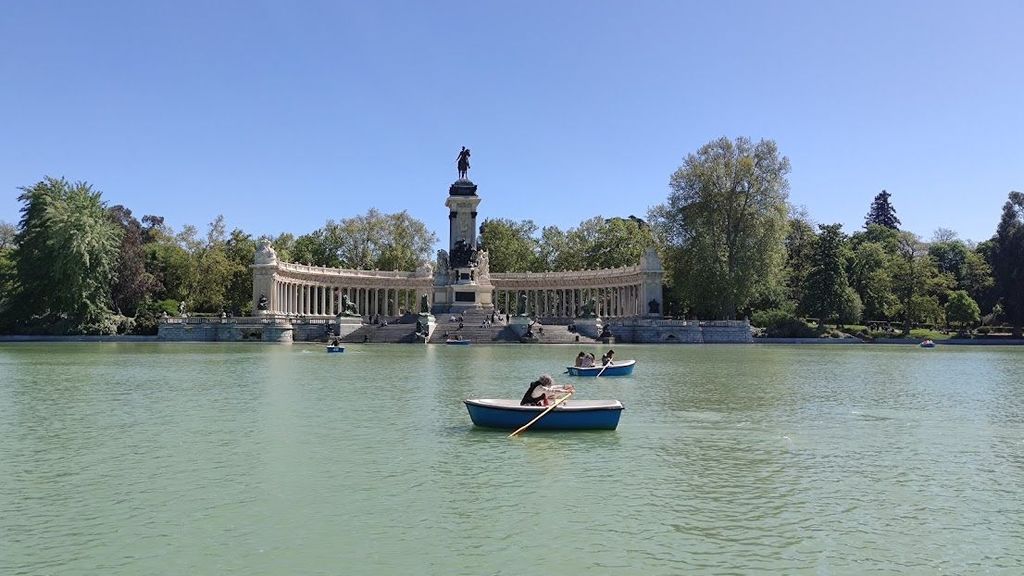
(726, 215)
(511, 246)
(66, 253)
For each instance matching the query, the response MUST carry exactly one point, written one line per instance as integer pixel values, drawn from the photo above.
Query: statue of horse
(463, 162)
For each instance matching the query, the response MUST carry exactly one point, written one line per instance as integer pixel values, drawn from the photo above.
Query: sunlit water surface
(268, 459)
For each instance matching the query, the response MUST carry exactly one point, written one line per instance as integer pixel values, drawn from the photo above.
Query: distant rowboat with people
(622, 368)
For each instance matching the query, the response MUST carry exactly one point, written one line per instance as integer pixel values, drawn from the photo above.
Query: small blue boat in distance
(623, 368)
(335, 349)
(569, 415)
(457, 342)
(927, 344)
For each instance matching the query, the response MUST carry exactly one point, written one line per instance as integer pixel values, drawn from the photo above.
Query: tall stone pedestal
(345, 325)
(520, 324)
(589, 327)
(427, 321)
(464, 282)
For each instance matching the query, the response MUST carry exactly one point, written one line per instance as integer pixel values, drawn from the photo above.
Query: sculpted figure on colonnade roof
(265, 254)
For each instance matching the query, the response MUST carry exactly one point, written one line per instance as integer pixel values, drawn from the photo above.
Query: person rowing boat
(543, 391)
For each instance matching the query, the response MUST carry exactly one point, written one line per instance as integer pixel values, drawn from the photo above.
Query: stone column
(651, 287)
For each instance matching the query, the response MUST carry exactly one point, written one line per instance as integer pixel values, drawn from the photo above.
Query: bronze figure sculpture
(463, 162)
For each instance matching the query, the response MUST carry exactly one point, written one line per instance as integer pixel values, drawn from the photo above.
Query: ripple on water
(127, 459)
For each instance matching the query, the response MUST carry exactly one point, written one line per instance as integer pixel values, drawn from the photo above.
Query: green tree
(882, 213)
(7, 234)
(600, 243)
(868, 274)
(132, 283)
(215, 273)
(284, 244)
(240, 249)
(977, 280)
(553, 250)
(8, 275)
(916, 283)
(966, 268)
(850, 308)
(800, 245)
(825, 293)
(67, 248)
(962, 310)
(511, 246)
(371, 241)
(726, 214)
(1008, 260)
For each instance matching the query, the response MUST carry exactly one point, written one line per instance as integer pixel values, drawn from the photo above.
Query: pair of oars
(552, 407)
(541, 415)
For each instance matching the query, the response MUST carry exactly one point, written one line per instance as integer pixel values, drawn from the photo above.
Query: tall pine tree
(882, 212)
(826, 285)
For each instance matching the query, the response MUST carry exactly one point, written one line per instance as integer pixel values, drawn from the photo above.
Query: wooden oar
(602, 369)
(541, 415)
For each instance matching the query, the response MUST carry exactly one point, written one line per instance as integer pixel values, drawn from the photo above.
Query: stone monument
(462, 278)
(263, 265)
(426, 322)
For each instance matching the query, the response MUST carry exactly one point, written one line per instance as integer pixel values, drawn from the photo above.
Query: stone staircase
(474, 330)
(400, 330)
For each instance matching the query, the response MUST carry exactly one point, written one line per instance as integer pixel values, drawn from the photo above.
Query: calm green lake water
(279, 460)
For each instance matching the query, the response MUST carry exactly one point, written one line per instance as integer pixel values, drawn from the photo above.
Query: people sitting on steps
(543, 391)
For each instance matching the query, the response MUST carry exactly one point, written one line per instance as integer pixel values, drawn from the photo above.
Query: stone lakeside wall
(228, 330)
(277, 329)
(268, 328)
(658, 331)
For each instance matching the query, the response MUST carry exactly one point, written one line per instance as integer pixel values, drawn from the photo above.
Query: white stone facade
(289, 289)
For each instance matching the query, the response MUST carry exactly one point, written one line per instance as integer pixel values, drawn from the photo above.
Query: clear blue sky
(281, 115)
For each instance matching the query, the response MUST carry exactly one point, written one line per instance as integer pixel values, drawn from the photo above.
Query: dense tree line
(73, 265)
(596, 243)
(735, 247)
(732, 244)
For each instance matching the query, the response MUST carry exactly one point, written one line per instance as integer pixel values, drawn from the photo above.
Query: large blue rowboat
(624, 368)
(569, 415)
(335, 349)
